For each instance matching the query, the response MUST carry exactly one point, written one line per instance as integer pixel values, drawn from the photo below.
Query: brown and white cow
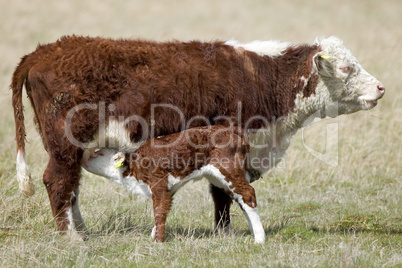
(161, 166)
(95, 92)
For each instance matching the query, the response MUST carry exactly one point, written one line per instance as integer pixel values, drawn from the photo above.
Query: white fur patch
(247, 175)
(305, 81)
(254, 221)
(172, 181)
(70, 226)
(77, 220)
(137, 187)
(262, 48)
(215, 177)
(210, 172)
(116, 136)
(23, 176)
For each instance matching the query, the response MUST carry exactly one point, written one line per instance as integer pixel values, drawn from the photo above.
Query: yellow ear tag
(119, 164)
(325, 57)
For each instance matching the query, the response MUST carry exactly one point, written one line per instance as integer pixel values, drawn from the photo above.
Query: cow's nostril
(381, 88)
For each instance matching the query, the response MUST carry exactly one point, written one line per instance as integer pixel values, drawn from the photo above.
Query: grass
(315, 215)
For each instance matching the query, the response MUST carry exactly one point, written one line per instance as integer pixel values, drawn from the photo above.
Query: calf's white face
(108, 164)
(350, 87)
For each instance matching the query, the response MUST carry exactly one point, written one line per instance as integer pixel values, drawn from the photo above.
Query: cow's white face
(350, 87)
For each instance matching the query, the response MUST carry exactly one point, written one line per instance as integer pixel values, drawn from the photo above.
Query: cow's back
(133, 77)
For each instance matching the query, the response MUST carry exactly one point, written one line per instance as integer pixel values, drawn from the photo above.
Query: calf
(94, 92)
(162, 165)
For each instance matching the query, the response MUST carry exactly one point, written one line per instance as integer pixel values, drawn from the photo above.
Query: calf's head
(109, 164)
(350, 87)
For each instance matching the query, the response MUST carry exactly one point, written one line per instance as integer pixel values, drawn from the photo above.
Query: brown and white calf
(162, 165)
(95, 92)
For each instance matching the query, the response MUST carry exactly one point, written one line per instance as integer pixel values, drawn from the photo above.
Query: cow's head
(350, 87)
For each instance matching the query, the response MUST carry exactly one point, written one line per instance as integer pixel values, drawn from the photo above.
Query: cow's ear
(322, 64)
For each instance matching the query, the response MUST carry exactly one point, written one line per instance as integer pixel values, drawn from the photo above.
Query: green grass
(314, 215)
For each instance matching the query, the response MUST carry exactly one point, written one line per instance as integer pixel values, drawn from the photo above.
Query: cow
(91, 93)
(161, 166)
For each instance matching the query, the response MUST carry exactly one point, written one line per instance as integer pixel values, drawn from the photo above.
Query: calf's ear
(119, 160)
(322, 64)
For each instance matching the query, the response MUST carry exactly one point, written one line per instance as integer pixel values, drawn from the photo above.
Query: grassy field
(348, 214)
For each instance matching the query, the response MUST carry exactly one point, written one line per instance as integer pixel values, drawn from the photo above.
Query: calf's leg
(233, 181)
(244, 195)
(161, 202)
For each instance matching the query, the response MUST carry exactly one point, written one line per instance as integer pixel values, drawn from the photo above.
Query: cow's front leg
(222, 203)
(62, 182)
(77, 222)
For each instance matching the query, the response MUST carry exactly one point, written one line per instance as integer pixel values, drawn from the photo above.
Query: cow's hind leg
(222, 203)
(62, 182)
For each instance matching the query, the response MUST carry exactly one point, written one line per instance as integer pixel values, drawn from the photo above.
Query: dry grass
(314, 214)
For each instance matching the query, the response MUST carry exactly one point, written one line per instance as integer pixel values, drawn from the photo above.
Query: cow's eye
(346, 69)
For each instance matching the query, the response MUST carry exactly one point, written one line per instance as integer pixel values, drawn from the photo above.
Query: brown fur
(207, 79)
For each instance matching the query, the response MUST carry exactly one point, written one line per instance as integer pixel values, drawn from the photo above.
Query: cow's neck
(278, 80)
(269, 144)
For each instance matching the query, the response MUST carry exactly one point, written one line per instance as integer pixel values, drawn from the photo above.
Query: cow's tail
(23, 176)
